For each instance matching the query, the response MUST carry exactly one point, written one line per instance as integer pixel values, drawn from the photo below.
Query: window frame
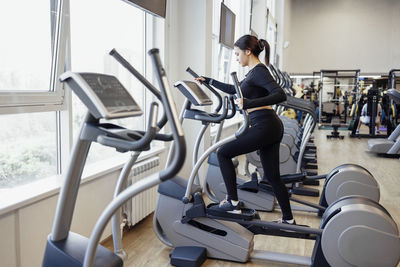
(272, 26)
(152, 29)
(14, 101)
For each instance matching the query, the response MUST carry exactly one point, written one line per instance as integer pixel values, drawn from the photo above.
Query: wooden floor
(144, 249)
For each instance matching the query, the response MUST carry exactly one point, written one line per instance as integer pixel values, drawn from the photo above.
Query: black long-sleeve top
(258, 88)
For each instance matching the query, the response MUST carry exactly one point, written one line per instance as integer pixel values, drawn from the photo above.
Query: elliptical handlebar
(217, 119)
(243, 129)
(148, 136)
(140, 186)
(288, 79)
(282, 79)
(275, 73)
(232, 107)
(143, 80)
(236, 84)
(172, 115)
(194, 74)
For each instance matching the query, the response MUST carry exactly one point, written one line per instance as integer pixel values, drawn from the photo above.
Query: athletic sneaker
(286, 221)
(227, 206)
(357, 131)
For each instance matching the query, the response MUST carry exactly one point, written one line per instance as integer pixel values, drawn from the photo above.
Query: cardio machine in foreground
(105, 97)
(354, 231)
(126, 170)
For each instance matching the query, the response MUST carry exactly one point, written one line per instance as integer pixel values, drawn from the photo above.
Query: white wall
(8, 244)
(188, 43)
(258, 20)
(343, 34)
(287, 8)
(279, 13)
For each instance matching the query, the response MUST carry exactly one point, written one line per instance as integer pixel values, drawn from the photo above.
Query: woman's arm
(224, 87)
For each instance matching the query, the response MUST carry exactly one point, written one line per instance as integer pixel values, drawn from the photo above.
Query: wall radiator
(143, 204)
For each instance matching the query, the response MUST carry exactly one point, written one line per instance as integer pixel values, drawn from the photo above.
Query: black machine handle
(289, 81)
(125, 145)
(143, 80)
(232, 107)
(217, 119)
(245, 125)
(159, 136)
(278, 79)
(170, 109)
(194, 74)
(236, 84)
(283, 81)
(286, 82)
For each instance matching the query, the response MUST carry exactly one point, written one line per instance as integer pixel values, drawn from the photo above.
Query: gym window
(40, 120)
(92, 40)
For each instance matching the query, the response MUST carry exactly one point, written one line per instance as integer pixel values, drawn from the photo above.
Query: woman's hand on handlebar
(200, 79)
(239, 102)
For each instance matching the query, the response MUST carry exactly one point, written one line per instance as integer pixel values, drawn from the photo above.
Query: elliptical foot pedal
(188, 256)
(247, 214)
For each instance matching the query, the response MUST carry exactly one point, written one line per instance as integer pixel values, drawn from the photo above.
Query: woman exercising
(265, 134)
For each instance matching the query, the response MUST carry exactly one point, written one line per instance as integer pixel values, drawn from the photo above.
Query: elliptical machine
(126, 170)
(105, 97)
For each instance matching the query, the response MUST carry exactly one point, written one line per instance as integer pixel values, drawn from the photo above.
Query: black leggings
(265, 135)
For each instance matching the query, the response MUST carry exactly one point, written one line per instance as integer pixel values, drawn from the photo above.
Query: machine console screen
(111, 92)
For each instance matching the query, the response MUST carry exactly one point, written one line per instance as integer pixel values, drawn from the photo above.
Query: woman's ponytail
(265, 45)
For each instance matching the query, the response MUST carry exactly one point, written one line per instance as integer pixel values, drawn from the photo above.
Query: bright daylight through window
(28, 140)
(25, 47)
(92, 40)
